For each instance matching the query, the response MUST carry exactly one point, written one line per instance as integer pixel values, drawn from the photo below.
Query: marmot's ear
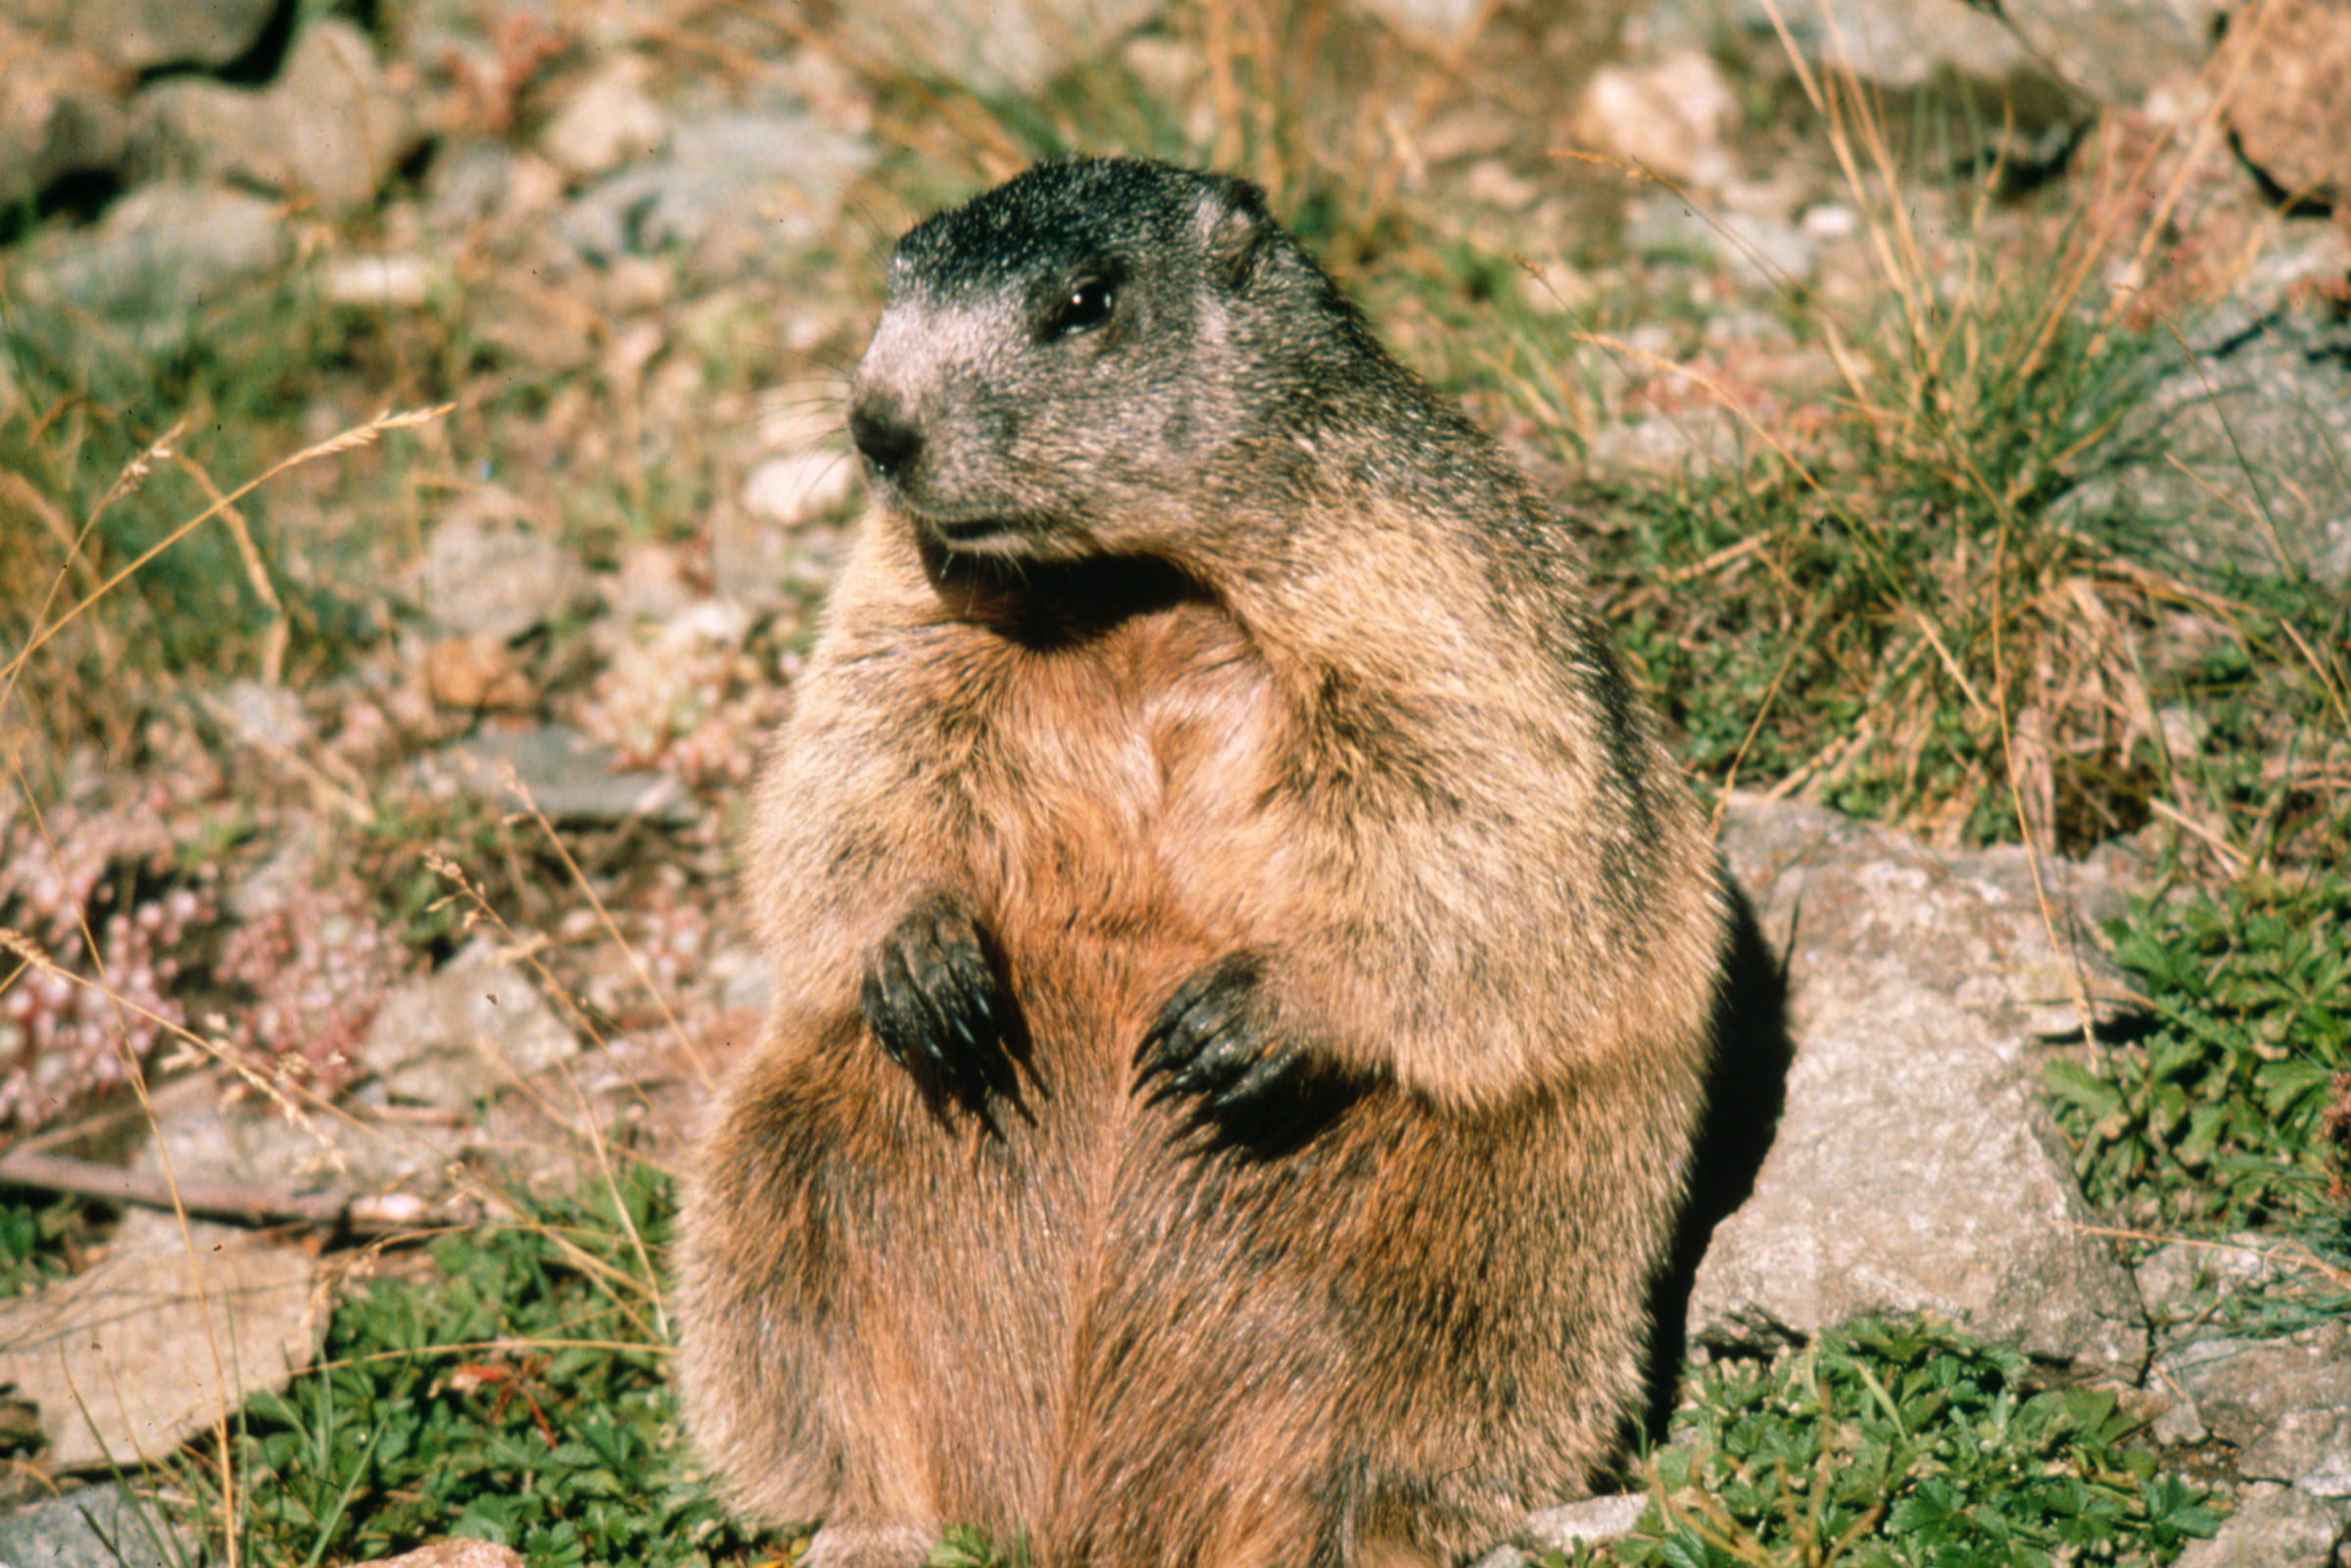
(1236, 227)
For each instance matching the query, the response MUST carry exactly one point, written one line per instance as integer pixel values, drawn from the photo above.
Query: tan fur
(1372, 740)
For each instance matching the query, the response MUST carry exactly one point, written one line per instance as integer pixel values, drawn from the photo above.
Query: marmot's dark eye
(1086, 305)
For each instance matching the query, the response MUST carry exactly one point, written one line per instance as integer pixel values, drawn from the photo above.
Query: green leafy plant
(2214, 1117)
(1887, 1446)
(520, 1396)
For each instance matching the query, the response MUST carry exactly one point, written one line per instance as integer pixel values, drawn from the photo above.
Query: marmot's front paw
(1210, 1044)
(934, 1005)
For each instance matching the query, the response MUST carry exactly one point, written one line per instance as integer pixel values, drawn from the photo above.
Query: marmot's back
(1243, 965)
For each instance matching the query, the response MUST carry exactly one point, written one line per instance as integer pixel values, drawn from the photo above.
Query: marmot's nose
(890, 441)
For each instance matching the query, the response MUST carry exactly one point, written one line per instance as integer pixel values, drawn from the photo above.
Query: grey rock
(98, 1527)
(276, 1149)
(131, 1357)
(59, 115)
(2181, 1279)
(2242, 460)
(2273, 1528)
(2048, 62)
(2286, 1404)
(1561, 1529)
(2288, 105)
(488, 573)
(606, 121)
(141, 36)
(462, 1034)
(1016, 46)
(733, 186)
(330, 130)
(566, 775)
(1911, 1170)
(158, 254)
(454, 1554)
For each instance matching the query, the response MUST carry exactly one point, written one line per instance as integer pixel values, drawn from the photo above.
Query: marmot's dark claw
(1209, 1045)
(933, 1002)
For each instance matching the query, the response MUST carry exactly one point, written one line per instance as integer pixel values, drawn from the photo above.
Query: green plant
(1905, 1446)
(39, 1233)
(518, 1396)
(2214, 1115)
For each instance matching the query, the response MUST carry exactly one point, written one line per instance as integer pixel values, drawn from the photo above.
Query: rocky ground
(373, 868)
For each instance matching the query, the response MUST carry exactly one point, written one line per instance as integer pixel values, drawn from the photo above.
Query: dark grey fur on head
(1111, 355)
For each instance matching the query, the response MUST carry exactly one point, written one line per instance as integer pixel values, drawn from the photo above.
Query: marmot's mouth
(971, 533)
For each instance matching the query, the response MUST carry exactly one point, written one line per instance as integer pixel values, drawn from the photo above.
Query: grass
(1900, 600)
(514, 1391)
(2227, 1111)
(1905, 1446)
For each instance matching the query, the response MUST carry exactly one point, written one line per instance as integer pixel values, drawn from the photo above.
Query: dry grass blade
(358, 436)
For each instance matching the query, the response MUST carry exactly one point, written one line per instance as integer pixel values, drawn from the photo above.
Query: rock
(454, 1554)
(566, 775)
(2273, 1527)
(383, 282)
(2045, 66)
(1549, 1530)
(2284, 1404)
(1667, 117)
(159, 255)
(2237, 461)
(1438, 22)
(459, 1036)
(478, 674)
(607, 121)
(329, 130)
(135, 1355)
(1911, 1169)
(137, 36)
(733, 187)
(59, 116)
(2289, 107)
(256, 1146)
(1015, 47)
(2183, 1280)
(799, 487)
(487, 573)
(104, 1526)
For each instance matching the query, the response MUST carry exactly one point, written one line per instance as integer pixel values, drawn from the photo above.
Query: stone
(2284, 1404)
(106, 1526)
(605, 121)
(2288, 105)
(2273, 1526)
(1667, 115)
(477, 674)
(2237, 460)
(566, 775)
(457, 1037)
(733, 187)
(139, 37)
(454, 1554)
(1592, 1520)
(59, 116)
(798, 487)
(487, 573)
(133, 1356)
(1911, 1170)
(1014, 47)
(160, 253)
(330, 130)
(2044, 61)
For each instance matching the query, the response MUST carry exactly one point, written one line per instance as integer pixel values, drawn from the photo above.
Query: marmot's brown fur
(1242, 966)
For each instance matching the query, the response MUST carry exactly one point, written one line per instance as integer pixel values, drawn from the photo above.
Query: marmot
(1242, 962)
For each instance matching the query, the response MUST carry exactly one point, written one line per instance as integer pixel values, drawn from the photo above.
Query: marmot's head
(1072, 363)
